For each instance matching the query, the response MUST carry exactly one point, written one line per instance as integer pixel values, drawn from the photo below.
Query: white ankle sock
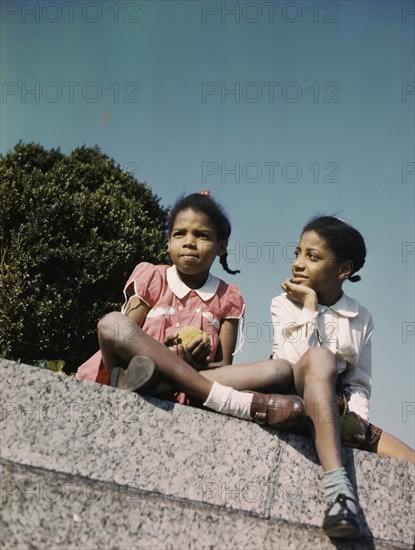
(226, 400)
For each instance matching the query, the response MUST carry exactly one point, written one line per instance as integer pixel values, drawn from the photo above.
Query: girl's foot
(340, 521)
(276, 410)
(141, 376)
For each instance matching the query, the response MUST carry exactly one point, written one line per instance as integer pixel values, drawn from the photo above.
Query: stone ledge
(179, 463)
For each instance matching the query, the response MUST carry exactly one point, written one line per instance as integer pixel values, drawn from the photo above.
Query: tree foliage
(71, 230)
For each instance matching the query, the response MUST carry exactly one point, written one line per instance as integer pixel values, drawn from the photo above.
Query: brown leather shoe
(277, 410)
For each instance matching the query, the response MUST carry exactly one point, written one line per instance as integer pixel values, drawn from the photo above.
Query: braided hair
(342, 239)
(203, 202)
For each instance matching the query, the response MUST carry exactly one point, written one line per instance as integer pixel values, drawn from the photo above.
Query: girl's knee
(116, 330)
(320, 356)
(107, 320)
(281, 372)
(320, 363)
(113, 326)
(320, 353)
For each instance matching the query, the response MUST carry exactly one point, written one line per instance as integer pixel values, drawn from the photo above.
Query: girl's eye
(178, 233)
(202, 235)
(313, 257)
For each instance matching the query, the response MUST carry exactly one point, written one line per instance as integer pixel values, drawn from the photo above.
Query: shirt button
(198, 310)
(181, 308)
(177, 324)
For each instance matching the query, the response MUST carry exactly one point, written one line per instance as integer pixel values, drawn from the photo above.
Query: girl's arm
(136, 309)
(228, 336)
(197, 354)
(142, 290)
(357, 381)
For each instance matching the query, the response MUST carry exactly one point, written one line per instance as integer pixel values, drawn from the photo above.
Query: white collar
(181, 290)
(345, 306)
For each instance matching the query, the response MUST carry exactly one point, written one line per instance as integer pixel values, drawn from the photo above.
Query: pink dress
(174, 305)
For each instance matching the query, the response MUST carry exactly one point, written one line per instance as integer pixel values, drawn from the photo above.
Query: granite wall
(88, 466)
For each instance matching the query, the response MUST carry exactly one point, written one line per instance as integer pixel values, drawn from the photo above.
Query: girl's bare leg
(389, 445)
(315, 380)
(119, 337)
(272, 376)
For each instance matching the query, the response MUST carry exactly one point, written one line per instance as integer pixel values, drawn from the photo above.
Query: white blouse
(345, 328)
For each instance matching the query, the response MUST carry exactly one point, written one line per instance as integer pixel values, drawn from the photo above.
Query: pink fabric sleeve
(234, 305)
(146, 281)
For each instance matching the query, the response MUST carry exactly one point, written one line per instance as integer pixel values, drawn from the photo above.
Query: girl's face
(315, 266)
(193, 243)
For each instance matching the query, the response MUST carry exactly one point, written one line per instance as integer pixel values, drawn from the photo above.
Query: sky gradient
(283, 110)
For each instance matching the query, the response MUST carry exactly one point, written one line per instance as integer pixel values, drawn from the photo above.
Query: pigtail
(355, 278)
(224, 263)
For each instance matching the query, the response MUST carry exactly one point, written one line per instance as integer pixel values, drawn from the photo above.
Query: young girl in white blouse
(326, 338)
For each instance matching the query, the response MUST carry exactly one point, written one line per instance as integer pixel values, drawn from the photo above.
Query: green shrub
(71, 230)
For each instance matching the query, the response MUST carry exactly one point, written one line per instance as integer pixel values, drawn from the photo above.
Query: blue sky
(282, 109)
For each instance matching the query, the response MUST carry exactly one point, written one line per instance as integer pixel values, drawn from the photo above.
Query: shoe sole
(345, 531)
(142, 372)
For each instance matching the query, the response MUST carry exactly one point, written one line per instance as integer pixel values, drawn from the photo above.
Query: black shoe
(141, 375)
(343, 525)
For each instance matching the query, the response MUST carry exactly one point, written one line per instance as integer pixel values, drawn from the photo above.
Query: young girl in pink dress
(163, 299)
(160, 300)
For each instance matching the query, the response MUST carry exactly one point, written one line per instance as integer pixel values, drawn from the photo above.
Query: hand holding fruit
(353, 429)
(192, 345)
